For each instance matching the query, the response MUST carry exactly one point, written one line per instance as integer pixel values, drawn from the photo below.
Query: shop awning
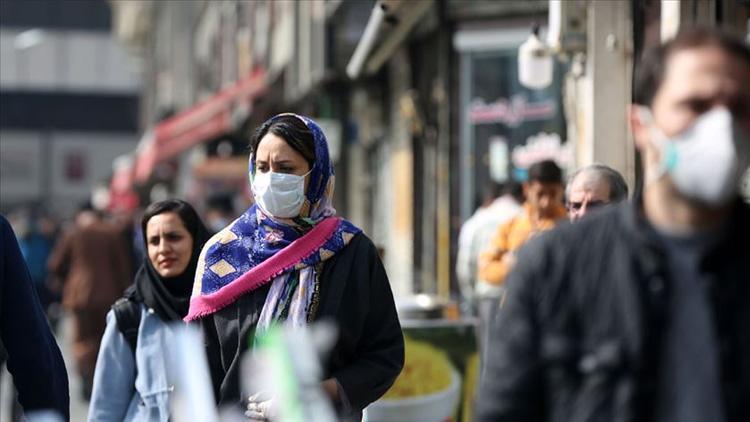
(204, 121)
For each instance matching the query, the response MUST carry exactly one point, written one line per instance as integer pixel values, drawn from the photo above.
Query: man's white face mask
(705, 161)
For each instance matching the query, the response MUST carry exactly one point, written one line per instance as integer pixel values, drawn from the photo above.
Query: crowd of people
(591, 305)
(490, 239)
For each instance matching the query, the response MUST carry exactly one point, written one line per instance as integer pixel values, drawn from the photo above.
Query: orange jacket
(496, 262)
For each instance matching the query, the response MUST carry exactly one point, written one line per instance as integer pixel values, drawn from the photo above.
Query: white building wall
(96, 151)
(20, 166)
(68, 61)
(34, 164)
(60, 168)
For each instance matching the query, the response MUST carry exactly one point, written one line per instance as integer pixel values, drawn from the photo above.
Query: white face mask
(705, 161)
(278, 194)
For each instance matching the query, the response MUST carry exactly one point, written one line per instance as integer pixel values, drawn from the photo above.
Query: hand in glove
(261, 407)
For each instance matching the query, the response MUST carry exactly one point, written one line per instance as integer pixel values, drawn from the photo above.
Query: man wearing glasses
(591, 187)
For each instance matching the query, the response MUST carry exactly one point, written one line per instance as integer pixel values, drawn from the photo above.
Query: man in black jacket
(642, 311)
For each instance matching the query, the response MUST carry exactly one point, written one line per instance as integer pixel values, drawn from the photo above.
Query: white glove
(261, 407)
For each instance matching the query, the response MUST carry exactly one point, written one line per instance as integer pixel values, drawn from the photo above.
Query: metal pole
(354, 67)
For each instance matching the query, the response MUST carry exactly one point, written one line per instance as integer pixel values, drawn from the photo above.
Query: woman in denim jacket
(134, 386)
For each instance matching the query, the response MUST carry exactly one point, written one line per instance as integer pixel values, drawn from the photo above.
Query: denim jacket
(120, 392)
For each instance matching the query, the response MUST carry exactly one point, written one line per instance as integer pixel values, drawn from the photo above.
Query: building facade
(420, 100)
(68, 102)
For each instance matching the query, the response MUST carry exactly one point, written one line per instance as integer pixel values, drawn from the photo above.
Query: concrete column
(606, 90)
(443, 212)
(400, 246)
(356, 183)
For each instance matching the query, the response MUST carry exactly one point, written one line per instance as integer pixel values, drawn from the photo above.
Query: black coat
(34, 359)
(354, 292)
(578, 335)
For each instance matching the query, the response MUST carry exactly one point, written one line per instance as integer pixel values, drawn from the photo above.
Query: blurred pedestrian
(131, 381)
(592, 187)
(640, 312)
(219, 212)
(542, 210)
(35, 247)
(500, 204)
(288, 259)
(39, 234)
(92, 263)
(33, 357)
(125, 219)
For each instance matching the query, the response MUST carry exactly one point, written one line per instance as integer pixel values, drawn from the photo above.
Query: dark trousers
(487, 310)
(88, 330)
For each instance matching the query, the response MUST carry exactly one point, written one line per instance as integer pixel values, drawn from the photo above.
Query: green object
(274, 347)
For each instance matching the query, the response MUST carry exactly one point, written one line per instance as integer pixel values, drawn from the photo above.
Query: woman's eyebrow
(165, 233)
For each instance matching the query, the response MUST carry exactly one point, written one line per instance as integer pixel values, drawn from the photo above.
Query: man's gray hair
(618, 189)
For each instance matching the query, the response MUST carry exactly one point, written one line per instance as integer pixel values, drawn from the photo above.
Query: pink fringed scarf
(298, 254)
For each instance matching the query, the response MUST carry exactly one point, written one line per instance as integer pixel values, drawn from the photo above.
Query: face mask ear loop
(306, 181)
(250, 169)
(668, 155)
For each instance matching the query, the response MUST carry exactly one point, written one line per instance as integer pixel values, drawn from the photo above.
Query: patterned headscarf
(257, 248)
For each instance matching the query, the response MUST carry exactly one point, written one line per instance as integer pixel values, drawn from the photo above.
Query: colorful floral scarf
(256, 249)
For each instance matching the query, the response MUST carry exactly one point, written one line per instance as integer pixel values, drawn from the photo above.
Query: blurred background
(122, 103)
(127, 102)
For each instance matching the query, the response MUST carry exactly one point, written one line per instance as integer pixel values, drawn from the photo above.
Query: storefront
(504, 127)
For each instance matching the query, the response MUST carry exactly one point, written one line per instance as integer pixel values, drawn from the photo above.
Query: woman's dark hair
(187, 213)
(291, 129)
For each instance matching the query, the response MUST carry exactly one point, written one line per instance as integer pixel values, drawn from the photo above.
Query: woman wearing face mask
(289, 260)
(130, 381)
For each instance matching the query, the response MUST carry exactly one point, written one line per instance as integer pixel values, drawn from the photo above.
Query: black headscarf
(170, 297)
